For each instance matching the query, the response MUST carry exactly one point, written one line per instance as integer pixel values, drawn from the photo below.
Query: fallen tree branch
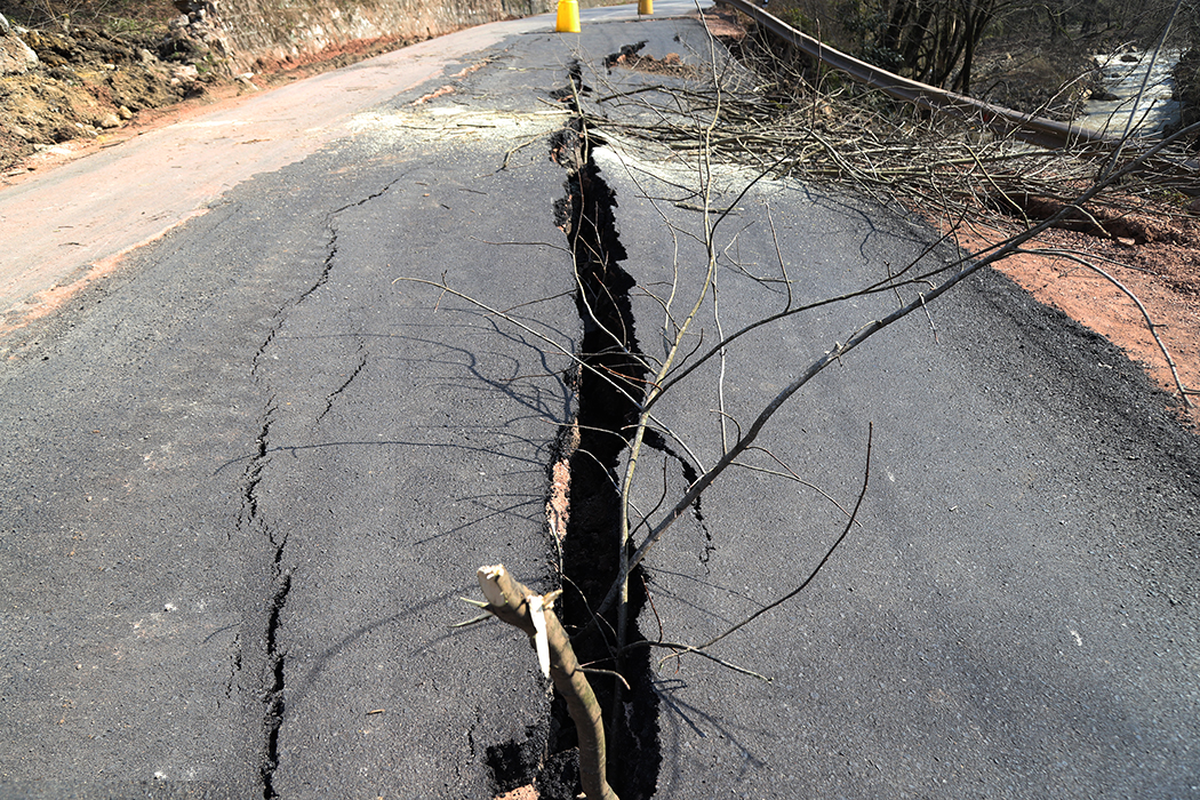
(513, 602)
(999, 252)
(1183, 393)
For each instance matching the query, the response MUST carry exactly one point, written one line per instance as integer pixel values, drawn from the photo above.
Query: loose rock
(15, 56)
(61, 85)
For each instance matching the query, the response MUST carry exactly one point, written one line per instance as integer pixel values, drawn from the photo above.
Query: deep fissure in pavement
(610, 387)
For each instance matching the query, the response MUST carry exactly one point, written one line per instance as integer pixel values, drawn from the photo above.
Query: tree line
(937, 41)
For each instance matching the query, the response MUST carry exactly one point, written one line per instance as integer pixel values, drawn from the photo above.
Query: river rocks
(1102, 95)
(1132, 91)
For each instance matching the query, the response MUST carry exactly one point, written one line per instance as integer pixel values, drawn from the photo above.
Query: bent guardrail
(1031, 128)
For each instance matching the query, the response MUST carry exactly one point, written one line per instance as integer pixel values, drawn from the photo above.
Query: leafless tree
(720, 132)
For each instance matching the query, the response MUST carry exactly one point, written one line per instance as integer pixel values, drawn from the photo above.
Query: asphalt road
(249, 473)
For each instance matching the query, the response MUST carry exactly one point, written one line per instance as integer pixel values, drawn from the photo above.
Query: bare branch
(999, 252)
(1078, 259)
(824, 560)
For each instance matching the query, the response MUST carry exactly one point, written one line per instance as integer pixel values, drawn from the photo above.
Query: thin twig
(1070, 256)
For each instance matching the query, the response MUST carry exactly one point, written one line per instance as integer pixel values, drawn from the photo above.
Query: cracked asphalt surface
(249, 473)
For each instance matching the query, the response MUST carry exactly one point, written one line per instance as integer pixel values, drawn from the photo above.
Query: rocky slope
(83, 80)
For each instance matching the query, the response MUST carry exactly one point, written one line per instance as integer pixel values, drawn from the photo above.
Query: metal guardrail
(1027, 127)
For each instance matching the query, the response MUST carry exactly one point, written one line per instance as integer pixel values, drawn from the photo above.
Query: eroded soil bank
(70, 85)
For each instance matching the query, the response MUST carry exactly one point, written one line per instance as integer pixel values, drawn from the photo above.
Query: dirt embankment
(1131, 271)
(72, 83)
(66, 81)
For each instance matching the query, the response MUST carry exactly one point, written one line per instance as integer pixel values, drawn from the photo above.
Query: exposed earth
(67, 92)
(68, 87)
(1152, 248)
(1162, 270)
(63, 81)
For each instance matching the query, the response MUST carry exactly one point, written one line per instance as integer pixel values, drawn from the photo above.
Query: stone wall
(259, 34)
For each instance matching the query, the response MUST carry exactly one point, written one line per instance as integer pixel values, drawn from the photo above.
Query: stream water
(1123, 76)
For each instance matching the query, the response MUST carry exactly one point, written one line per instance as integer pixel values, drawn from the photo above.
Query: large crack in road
(253, 523)
(610, 387)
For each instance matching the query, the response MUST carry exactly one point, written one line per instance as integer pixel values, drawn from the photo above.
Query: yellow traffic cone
(568, 16)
